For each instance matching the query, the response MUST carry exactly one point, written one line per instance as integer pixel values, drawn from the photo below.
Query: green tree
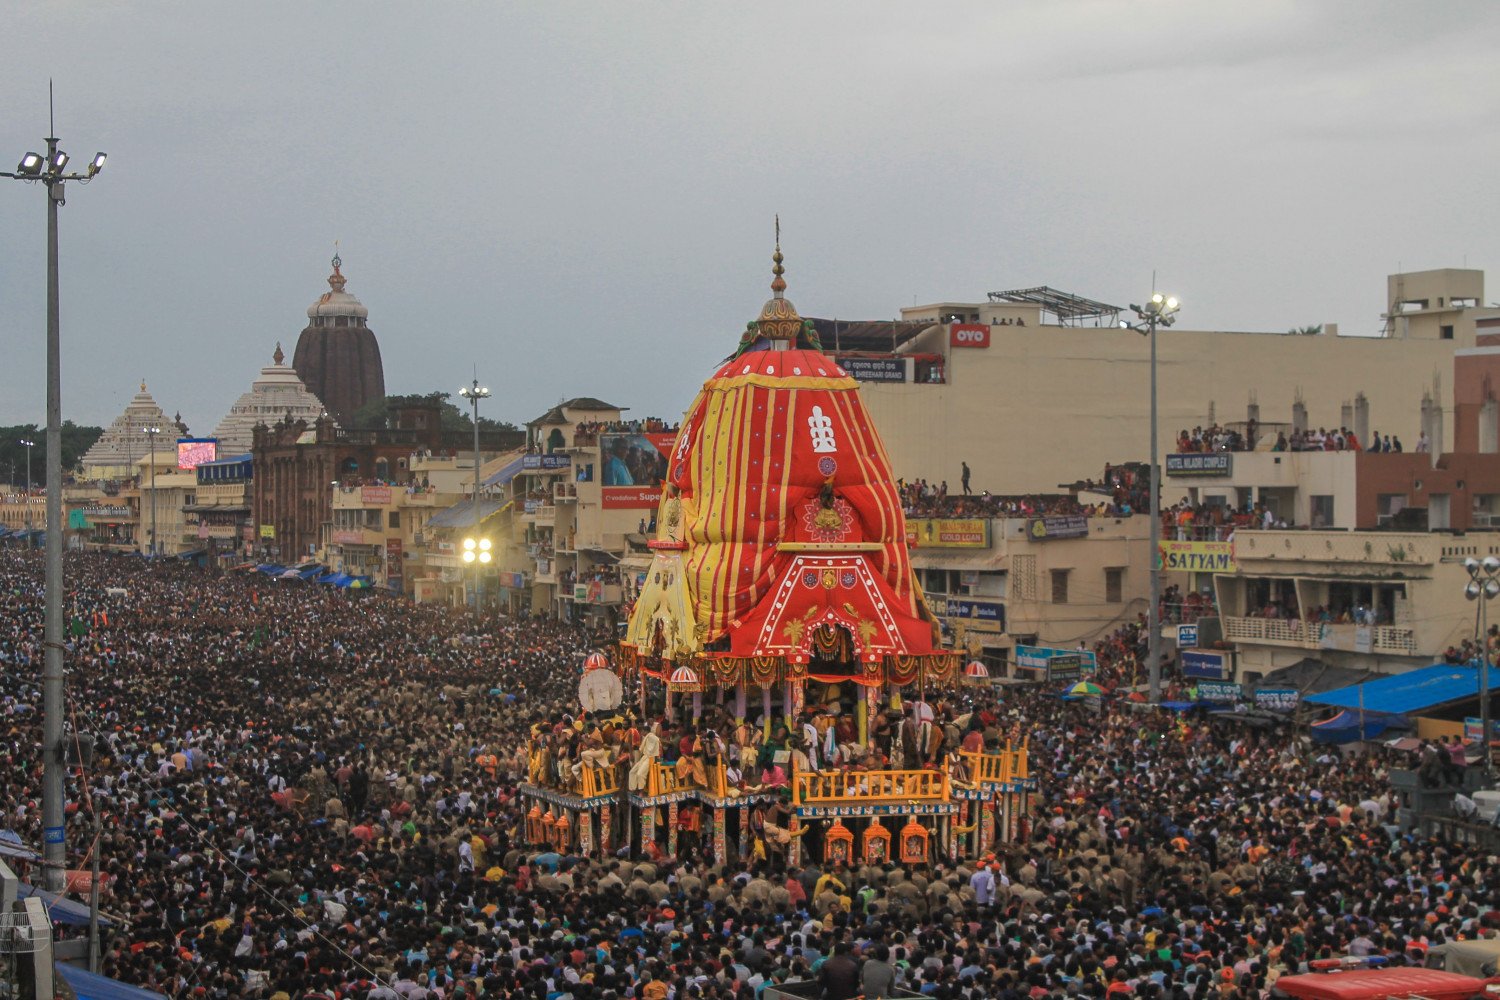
(76, 440)
(380, 412)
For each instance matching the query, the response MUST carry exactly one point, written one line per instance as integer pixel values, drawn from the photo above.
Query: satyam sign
(1198, 557)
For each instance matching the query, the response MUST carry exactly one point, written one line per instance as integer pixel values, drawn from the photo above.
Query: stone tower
(337, 356)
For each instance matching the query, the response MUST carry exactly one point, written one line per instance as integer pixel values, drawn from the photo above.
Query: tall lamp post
(151, 433)
(50, 172)
(1483, 587)
(476, 549)
(29, 444)
(1160, 310)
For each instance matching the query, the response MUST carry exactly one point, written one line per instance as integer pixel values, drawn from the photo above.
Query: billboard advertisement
(1222, 692)
(1277, 699)
(875, 369)
(969, 335)
(948, 533)
(1213, 463)
(1198, 557)
(375, 496)
(972, 610)
(1042, 529)
(193, 452)
(1039, 657)
(1203, 664)
(634, 466)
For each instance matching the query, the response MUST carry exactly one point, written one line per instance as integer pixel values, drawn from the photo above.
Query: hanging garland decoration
(829, 643)
(903, 670)
(942, 668)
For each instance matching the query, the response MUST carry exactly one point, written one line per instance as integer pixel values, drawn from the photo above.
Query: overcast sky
(578, 197)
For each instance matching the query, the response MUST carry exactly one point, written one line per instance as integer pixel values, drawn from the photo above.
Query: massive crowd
(312, 794)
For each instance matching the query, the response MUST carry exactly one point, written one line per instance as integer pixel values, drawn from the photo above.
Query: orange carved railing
(1003, 768)
(833, 787)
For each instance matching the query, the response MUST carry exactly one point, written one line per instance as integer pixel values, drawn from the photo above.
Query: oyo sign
(969, 335)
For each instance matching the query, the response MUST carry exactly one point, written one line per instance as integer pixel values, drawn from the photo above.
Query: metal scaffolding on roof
(1070, 309)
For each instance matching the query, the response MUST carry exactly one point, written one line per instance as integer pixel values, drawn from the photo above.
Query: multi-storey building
(1033, 384)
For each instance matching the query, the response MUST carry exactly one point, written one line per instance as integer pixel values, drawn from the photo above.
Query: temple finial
(778, 283)
(336, 280)
(143, 385)
(277, 358)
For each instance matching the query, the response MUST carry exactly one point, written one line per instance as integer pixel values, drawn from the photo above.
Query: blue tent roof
(61, 909)
(1412, 691)
(507, 472)
(1349, 726)
(90, 986)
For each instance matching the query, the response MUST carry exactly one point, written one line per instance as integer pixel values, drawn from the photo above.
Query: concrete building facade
(1027, 399)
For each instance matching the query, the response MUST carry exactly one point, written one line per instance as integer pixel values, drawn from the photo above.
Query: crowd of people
(313, 794)
(920, 498)
(1217, 437)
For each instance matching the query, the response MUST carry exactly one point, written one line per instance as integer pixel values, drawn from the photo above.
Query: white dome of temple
(277, 393)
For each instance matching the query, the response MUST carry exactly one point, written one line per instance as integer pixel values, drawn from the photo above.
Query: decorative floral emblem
(827, 465)
(829, 524)
(848, 579)
(810, 578)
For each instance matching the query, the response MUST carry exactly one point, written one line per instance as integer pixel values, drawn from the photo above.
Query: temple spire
(778, 283)
(336, 280)
(277, 358)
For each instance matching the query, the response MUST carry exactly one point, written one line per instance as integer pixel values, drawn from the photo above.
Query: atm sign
(969, 335)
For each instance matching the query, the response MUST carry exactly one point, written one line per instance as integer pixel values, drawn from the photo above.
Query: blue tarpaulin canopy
(270, 569)
(61, 909)
(1346, 728)
(1412, 691)
(90, 986)
(507, 472)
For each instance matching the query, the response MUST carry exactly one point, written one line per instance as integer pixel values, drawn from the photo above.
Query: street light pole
(49, 170)
(1160, 310)
(151, 433)
(29, 444)
(1483, 586)
(476, 550)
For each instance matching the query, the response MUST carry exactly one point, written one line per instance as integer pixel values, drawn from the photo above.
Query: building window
(395, 520)
(1321, 513)
(1059, 586)
(1113, 585)
(1445, 332)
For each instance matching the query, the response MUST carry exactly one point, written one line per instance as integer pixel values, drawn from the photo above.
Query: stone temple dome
(277, 393)
(337, 356)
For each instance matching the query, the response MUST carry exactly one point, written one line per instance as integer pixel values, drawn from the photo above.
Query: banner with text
(1277, 699)
(1043, 529)
(1038, 657)
(968, 609)
(634, 466)
(948, 533)
(1205, 664)
(1220, 692)
(1198, 557)
(875, 369)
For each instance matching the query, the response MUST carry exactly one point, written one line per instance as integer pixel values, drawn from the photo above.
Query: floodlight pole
(54, 831)
(1158, 311)
(54, 847)
(1153, 618)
